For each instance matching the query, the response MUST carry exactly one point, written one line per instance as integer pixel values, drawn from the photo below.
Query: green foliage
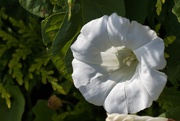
(5, 94)
(17, 105)
(159, 6)
(176, 9)
(137, 10)
(31, 45)
(42, 112)
(41, 8)
(169, 101)
(82, 111)
(92, 9)
(169, 40)
(24, 62)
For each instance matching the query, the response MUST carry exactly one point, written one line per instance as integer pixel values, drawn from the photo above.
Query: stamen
(128, 60)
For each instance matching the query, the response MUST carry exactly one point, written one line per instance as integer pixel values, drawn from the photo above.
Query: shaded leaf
(173, 73)
(136, 10)
(92, 9)
(42, 112)
(5, 2)
(169, 98)
(67, 32)
(83, 111)
(174, 113)
(17, 105)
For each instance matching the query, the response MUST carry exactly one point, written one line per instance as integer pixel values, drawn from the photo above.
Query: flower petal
(97, 89)
(89, 48)
(115, 102)
(103, 72)
(117, 28)
(128, 97)
(137, 96)
(92, 81)
(138, 35)
(96, 32)
(126, 117)
(83, 50)
(152, 53)
(153, 80)
(84, 73)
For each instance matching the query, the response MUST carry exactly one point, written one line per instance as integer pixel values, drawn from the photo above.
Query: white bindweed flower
(125, 117)
(115, 64)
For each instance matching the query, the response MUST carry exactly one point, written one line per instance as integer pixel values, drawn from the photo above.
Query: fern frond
(5, 95)
(11, 40)
(169, 40)
(2, 16)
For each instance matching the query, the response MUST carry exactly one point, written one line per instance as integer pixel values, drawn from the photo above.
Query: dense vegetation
(35, 59)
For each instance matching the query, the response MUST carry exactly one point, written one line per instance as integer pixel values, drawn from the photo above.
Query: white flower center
(129, 59)
(118, 58)
(126, 57)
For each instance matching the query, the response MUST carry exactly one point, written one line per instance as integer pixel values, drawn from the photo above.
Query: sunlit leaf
(41, 8)
(5, 95)
(50, 26)
(67, 32)
(59, 62)
(176, 9)
(169, 40)
(159, 6)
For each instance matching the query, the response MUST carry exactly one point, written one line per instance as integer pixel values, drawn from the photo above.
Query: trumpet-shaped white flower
(115, 64)
(125, 117)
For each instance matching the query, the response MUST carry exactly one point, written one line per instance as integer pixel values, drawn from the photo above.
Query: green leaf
(41, 8)
(92, 9)
(176, 9)
(68, 61)
(169, 40)
(60, 46)
(173, 73)
(2, 16)
(5, 2)
(17, 105)
(59, 62)
(136, 10)
(89, 9)
(67, 32)
(80, 113)
(42, 112)
(162, 115)
(58, 2)
(174, 113)
(5, 95)
(159, 6)
(50, 26)
(169, 98)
